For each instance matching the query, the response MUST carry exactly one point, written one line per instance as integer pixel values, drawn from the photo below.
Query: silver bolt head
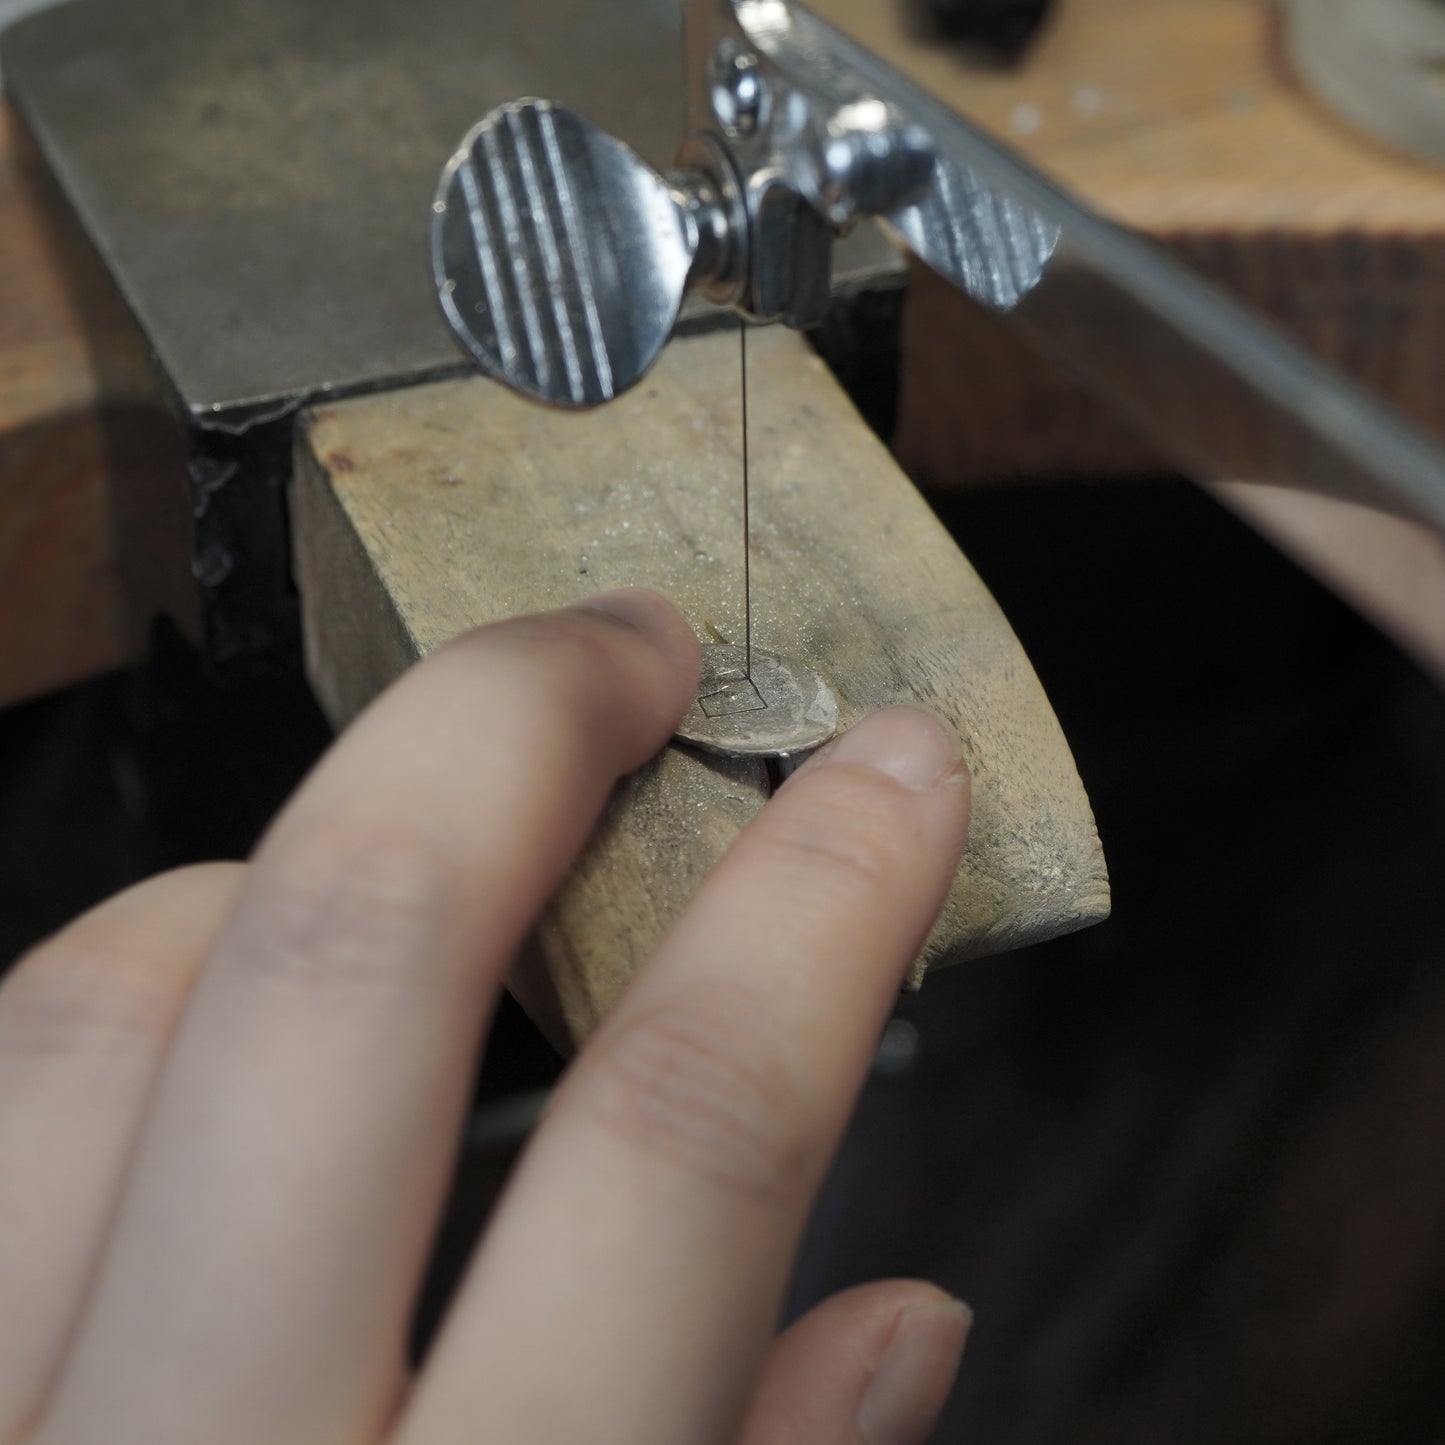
(737, 91)
(560, 257)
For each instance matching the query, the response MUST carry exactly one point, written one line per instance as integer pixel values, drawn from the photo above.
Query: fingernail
(907, 1392)
(904, 743)
(637, 607)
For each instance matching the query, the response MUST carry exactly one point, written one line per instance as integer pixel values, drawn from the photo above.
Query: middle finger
(645, 1239)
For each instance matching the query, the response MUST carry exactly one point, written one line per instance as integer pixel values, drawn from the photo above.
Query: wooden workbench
(1180, 118)
(59, 617)
(1175, 116)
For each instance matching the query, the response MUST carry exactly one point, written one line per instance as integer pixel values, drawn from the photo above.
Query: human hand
(230, 1097)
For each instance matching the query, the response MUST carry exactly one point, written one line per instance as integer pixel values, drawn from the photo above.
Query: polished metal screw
(739, 92)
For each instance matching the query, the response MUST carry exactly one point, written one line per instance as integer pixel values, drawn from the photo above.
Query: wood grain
(59, 615)
(421, 513)
(1182, 119)
(1172, 116)
(79, 416)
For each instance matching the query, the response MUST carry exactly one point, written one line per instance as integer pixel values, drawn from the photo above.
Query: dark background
(1189, 1166)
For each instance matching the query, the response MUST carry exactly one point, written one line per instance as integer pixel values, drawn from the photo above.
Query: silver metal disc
(782, 709)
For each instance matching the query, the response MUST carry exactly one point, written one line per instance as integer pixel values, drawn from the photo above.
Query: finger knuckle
(844, 842)
(345, 904)
(575, 666)
(706, 1085)
(79, 996)
(567, 647)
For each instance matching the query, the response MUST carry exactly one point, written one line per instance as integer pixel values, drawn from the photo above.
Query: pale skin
(230, 1097)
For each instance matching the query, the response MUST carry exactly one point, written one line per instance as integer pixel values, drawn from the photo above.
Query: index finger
(287, 1184)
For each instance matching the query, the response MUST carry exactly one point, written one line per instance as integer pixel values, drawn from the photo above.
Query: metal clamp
(562, 259)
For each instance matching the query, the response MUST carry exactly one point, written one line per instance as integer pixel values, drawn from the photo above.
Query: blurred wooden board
(59, 609)
(81, 421)
(1172, 116)
(420, 513)
(1182, 119)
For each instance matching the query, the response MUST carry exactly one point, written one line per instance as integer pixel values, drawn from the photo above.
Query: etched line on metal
(581, 259)
(483, 159)
(959, 247)
(482, 156)
(558, 288)
(740, 695)
(499, 166)
(487, 260)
